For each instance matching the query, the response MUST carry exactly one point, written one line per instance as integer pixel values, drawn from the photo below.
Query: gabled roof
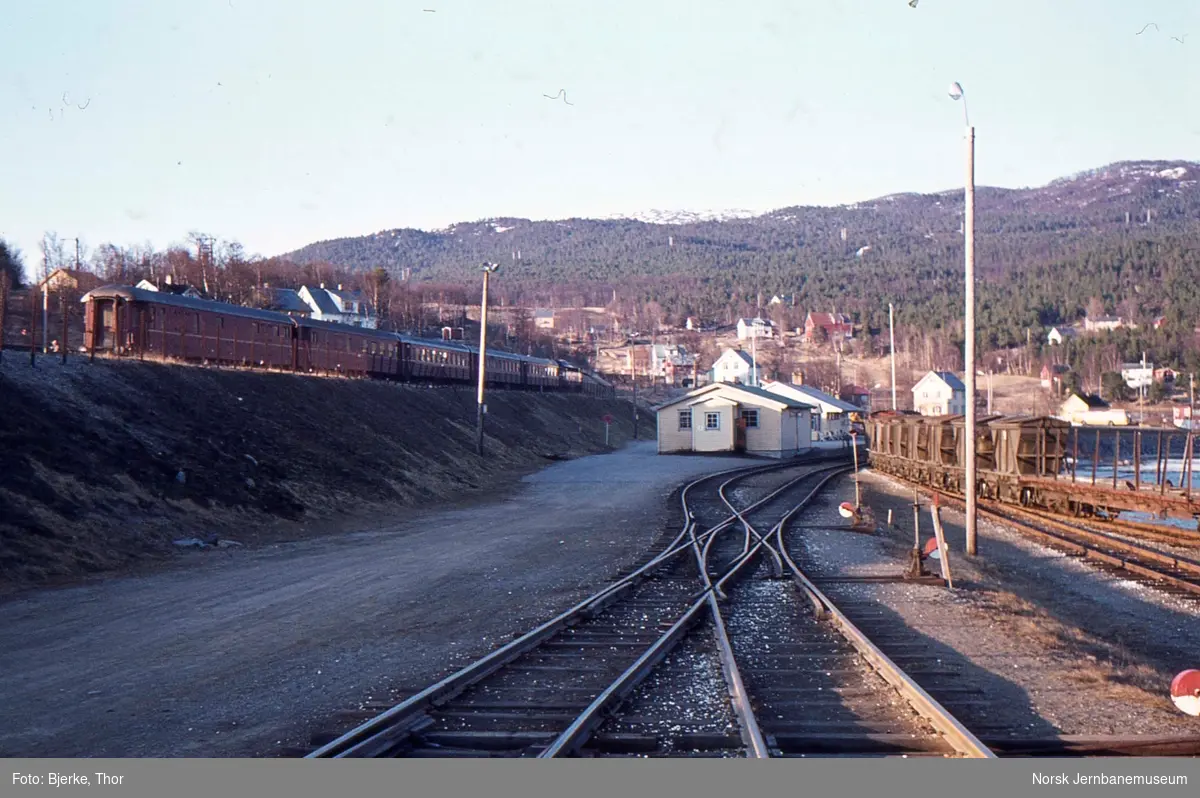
(83, 279)
(828, 319)
(288, 300)
(754, 321)
(948, 377)
(757, 393)
(348, 296)
(745, 356)
(323, 300)
(1091, 400)
(812, 394)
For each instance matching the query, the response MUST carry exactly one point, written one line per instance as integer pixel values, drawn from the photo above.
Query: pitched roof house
(940, 393)
(344, 307)
(832, 324)
(735, 366)
(734, 418)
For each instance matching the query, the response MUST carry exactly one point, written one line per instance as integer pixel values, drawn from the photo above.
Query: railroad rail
(548, 693)
(1165, 570)
(604, 620)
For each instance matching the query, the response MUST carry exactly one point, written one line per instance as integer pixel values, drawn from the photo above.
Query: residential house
(338, 305)
(734, 418)
(1090, 410)
(543, 319)
(1057, 335)
(1165, 376)
(69, 280)
(671, 362)
(169, 286)
(735, 366)
(755, 328)
(856, 395)
(940, 393)
(1137, 376)
(1052, 373)
(1103, 323)
(832, 417)
(833, 325)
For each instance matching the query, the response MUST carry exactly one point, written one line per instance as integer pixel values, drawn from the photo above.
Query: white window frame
(712, 421)
(746, 415)
(685, 416)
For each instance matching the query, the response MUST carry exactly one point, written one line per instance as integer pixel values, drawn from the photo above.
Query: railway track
(1166, 571)
(569, 686)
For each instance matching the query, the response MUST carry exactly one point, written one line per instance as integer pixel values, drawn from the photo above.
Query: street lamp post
(488, 268)
(957, 93)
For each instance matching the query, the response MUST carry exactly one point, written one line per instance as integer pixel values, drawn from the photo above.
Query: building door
(739, 435)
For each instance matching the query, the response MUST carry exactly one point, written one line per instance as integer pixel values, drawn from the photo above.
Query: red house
(833, 324)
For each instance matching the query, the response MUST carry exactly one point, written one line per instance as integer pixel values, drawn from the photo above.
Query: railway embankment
(115, 465)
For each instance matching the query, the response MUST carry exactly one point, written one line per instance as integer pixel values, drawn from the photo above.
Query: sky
(277, 123)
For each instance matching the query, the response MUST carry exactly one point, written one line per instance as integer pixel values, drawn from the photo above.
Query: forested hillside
(1124, 237)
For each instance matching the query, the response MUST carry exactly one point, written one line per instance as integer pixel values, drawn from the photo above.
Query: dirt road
(249, 651)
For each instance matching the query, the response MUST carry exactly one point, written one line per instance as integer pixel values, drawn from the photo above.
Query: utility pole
(956, 92)
(754, 354)
(480, 409)
(892, 335)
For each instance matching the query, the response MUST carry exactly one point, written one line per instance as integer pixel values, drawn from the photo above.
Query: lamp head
(491, 267)
(956, 91)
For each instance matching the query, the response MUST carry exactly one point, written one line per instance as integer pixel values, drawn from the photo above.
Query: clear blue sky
(281, 122)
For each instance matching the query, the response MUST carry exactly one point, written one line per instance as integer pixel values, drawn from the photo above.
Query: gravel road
(247, 652)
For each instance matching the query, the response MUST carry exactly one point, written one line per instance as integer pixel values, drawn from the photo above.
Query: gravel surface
(686, 694)
(1055, 645)
(247, 652)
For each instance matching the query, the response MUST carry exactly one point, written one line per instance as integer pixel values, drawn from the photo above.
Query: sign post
(857, 491)
(607, 419)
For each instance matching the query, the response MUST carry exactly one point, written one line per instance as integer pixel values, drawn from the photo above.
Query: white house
(832, 416)
(734, 418)
(1059, 334)
(1137, 376)
(669, 360)
(755, 328)
(170, 287)
(543, 319)
(734, 365)
(1103, 323)
(940, 393)
(343, 307)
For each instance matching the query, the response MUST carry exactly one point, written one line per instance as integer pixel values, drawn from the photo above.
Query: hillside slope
(93, 455)
(1040, 252)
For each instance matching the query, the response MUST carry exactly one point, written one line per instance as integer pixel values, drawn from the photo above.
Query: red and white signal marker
(1185, 692)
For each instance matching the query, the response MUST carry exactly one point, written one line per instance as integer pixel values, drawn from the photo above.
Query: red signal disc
(931, 549)
(1185, 692)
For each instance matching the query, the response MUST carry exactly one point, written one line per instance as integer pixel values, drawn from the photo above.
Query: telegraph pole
(956, 92)
(480, 409)
(892, 334)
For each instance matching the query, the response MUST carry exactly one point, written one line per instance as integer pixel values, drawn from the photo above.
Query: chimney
(322, 286)
(339, 286)
(168, 279)
(446, 332)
